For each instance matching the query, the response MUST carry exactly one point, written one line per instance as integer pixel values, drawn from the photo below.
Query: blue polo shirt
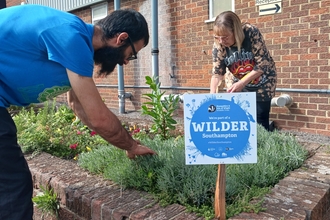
(37, 45)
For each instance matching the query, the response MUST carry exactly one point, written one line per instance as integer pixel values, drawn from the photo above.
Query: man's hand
(138, 149)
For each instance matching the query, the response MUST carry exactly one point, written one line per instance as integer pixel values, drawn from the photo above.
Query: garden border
(86, 196)
(303, 194)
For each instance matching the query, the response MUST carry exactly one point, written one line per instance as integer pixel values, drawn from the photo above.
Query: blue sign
(220, 128)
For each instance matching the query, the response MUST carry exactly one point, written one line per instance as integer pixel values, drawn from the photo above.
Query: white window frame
(97, 7)
(211, 9)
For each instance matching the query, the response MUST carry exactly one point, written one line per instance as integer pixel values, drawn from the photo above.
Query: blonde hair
(228, 21)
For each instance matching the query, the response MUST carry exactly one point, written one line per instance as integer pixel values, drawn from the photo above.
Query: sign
(270, 9)
(264, 2)
(220, 128)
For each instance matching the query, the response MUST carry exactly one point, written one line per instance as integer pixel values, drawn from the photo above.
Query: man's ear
(121, 38)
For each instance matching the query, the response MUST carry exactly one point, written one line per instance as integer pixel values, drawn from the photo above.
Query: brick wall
(298, 39)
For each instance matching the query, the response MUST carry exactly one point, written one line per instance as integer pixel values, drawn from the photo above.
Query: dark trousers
(263, 109)
(15, 177)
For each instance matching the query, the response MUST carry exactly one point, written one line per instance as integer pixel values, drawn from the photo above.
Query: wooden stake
(220, 187)
(220, 193)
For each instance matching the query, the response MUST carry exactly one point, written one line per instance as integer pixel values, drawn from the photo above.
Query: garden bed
(79, 133)
(303, 194)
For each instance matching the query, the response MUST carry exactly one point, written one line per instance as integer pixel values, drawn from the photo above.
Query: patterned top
(254, 55)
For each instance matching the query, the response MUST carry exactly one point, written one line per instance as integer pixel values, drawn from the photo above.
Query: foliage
(167, 176)
(47, 201)
(160, 108)
(327, 149)
(249, 200)
(57, 131)
(54, 130)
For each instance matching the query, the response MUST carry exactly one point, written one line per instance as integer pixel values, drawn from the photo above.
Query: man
(45, 52)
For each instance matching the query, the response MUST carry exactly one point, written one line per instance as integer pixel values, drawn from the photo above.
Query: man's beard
(108, 58)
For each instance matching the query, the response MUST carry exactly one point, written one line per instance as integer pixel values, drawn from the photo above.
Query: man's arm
(88, 105)
(76, 107)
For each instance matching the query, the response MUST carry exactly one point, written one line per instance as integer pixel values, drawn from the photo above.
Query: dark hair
(125, 20)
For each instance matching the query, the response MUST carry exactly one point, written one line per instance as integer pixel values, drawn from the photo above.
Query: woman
(241, 48)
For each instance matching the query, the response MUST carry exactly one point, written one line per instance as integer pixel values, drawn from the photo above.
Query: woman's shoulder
(249, 28)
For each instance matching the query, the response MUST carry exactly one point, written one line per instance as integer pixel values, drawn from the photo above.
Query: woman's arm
(239, 86)
(262, 56)
(262, 59)
(215, 80)
(219, 68)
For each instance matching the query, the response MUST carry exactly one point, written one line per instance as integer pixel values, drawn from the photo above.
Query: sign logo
(212, 108)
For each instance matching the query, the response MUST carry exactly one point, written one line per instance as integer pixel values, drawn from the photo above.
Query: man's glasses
(134, 55)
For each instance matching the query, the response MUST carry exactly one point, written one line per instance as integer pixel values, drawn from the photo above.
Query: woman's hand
(236, 87)
(239, 86)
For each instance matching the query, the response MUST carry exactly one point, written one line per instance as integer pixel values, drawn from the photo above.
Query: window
(99, 12)
(218, 6)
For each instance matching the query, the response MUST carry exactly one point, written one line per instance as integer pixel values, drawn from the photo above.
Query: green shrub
(161, 110)
(47, 201)
(167, 176)
(54, 130)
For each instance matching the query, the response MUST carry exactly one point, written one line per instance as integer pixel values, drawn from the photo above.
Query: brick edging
(303, 194)
(86, 196)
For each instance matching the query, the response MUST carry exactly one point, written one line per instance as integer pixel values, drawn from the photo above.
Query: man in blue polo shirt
(45, 52)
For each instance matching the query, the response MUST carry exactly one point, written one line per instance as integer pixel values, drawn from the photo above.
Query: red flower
(136, 131)
(78, 132)
(73, 146)
(93, 133)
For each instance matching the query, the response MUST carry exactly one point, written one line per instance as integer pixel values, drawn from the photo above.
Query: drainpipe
(154, 49)
(282, 100)
(121, 87)
(320, 91)
(316, 91)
